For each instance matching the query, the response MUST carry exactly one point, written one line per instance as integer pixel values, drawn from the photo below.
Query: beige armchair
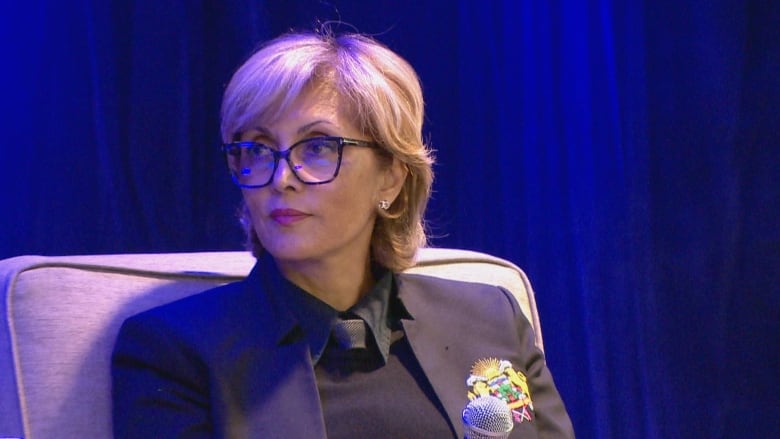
(60, 316)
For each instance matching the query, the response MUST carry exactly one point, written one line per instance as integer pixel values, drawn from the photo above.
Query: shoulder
(203, 319)
(200, 306)
(424, 290)
(452, 289)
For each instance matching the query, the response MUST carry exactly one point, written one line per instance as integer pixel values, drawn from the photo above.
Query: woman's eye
(260, 151)
(319, 147)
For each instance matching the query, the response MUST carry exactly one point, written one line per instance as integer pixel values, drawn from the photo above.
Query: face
(329, 223)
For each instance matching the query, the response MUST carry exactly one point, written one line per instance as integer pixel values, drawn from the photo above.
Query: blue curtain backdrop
(625, 153)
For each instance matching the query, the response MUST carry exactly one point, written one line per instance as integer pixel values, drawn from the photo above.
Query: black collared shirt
(392, 397)
(380, 308)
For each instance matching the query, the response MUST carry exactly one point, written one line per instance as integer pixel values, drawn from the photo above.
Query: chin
(288, 252)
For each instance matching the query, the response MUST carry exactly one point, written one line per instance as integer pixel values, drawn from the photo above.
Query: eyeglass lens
(312, 161)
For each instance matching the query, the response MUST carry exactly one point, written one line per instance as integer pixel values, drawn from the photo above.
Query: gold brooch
(497, 378)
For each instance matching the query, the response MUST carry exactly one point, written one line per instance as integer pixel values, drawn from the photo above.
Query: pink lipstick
(287, 216)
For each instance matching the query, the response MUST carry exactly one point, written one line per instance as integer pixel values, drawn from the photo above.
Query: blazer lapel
(438, 345)
(272, 376)
(284, 399)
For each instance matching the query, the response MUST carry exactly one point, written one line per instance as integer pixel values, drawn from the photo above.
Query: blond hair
(384, 95)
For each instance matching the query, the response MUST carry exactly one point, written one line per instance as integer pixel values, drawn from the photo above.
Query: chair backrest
(60, 316)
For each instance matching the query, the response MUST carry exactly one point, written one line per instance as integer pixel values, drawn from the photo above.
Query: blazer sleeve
(158, 384)
(552, 420)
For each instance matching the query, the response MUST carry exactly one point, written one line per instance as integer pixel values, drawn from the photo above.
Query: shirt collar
(380, 308)
(374, 308)
(314, 317)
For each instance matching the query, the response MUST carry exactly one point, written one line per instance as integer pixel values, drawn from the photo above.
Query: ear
(393, 180)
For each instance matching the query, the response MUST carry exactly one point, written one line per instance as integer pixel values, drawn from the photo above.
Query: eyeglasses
(312, 161)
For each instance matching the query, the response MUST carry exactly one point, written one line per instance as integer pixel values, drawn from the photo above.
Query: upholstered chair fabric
(59, 317)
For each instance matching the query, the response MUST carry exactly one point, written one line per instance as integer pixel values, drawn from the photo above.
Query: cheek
(253, 202)
(357, 194)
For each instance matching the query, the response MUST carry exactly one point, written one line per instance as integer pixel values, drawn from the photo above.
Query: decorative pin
(497, 378)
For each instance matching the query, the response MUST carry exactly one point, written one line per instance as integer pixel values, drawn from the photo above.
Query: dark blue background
(624, 153)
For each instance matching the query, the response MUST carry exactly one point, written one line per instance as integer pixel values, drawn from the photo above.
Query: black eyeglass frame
(279, 154)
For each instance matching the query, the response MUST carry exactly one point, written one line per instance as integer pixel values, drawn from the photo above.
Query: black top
(380, 391)
(379, 308)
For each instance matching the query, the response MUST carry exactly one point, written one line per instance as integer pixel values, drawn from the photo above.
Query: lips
(287, 216)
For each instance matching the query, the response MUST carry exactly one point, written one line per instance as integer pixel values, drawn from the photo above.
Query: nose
(284, 177)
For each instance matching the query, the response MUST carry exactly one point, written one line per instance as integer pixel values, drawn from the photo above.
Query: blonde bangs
(265, 85)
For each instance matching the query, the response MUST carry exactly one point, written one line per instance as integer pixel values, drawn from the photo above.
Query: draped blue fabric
(625, 154)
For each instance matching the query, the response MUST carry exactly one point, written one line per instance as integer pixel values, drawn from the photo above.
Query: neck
(338, 284)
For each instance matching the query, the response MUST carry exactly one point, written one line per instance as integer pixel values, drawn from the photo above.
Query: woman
(325, 337)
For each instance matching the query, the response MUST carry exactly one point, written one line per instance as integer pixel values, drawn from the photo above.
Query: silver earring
(383, 204)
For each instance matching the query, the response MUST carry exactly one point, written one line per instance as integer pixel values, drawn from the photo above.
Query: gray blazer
(203, 366)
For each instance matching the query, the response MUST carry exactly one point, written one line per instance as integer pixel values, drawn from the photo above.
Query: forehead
(319, 101)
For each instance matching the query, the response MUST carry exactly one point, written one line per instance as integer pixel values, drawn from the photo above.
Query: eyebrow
(309, 125)
(303, 129)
